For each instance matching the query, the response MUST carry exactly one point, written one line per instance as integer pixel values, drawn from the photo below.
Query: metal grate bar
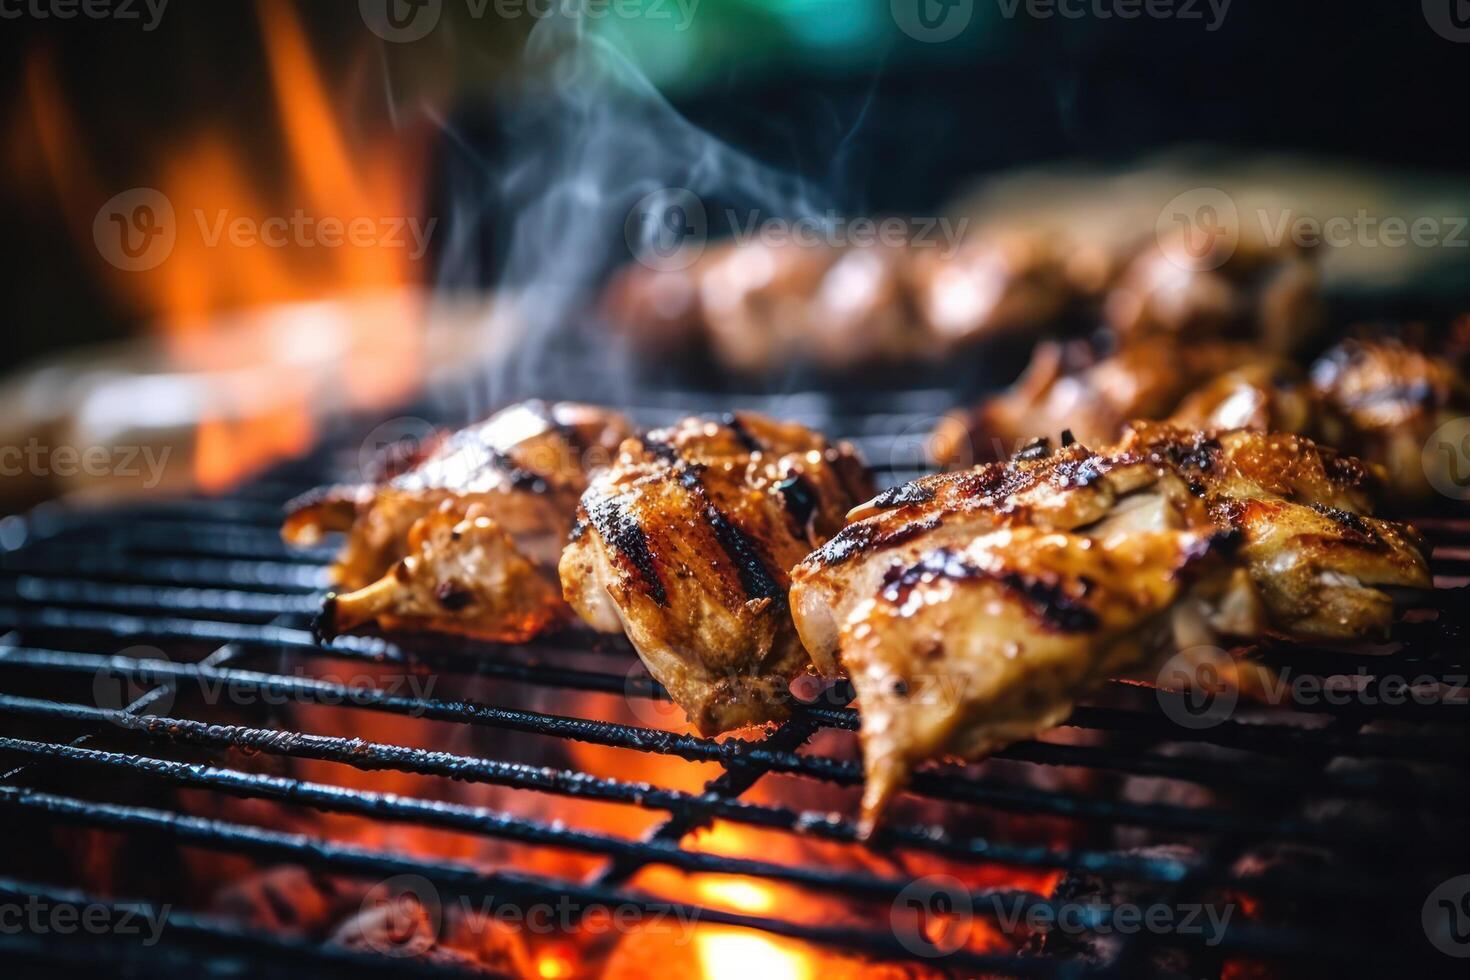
(74, 592)
(458, 817)
(222, 941)
(733, 782)
(460, 878)
(217, 572)
(1266, 738)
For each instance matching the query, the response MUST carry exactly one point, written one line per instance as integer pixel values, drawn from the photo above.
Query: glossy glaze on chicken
(467, 537)
(686, 544)
(1007, 591)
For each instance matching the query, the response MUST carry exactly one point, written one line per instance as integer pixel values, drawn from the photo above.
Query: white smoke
(589, 139)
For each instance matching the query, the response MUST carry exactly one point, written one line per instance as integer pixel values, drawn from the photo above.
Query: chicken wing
(686, 544)
(1068, 387)
(1192, 285)
(1011, 589)
(1390, 397)
(1380, 400)
(973, 609)
(760, 306)
(1268, 395)
(467, 538)
(1318, 556)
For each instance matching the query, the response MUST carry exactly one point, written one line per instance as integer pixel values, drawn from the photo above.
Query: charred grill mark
(1049, 600)
(661, 449)
(732, 422)
(858, 538)
(1345, 518)
(519, 477)
(850, 541)
(1344, 471)
(800, 498)
(1079, 472)
(941, 563)
(1038, 448)
(622, 532)
(1199, 453)
(453, 596)
(756, 577)
(904, 495)
(1003, 480)
(1226, 543)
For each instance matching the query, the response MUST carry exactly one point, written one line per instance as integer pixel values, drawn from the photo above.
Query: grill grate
(208, 582)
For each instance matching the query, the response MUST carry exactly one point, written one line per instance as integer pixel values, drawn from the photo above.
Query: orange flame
(370, 357)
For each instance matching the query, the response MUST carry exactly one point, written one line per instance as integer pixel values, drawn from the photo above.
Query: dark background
(881, 122)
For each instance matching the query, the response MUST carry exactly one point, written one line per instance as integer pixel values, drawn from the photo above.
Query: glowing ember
(735, 955)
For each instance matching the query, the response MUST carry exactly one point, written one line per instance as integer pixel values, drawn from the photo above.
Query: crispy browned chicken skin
(1388, 397)
(1066, 387)
(1379, 399)
(759, 307)
(686, 544)
(1005, 592)
(466, 540)
(1196, 286)
(972, 610)
(1318, 556)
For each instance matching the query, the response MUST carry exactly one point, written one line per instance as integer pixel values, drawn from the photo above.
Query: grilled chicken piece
(1317, 555)
(686, 544)
(1067, 388)
(1266, 395)
(1391, 397)
(1380, 400)
(761, 306)
(1007, 591)
(1187, 285)
(995, 285)
(973, 609)
(467, 539)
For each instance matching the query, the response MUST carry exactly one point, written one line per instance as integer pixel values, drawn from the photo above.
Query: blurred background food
(240, 222)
